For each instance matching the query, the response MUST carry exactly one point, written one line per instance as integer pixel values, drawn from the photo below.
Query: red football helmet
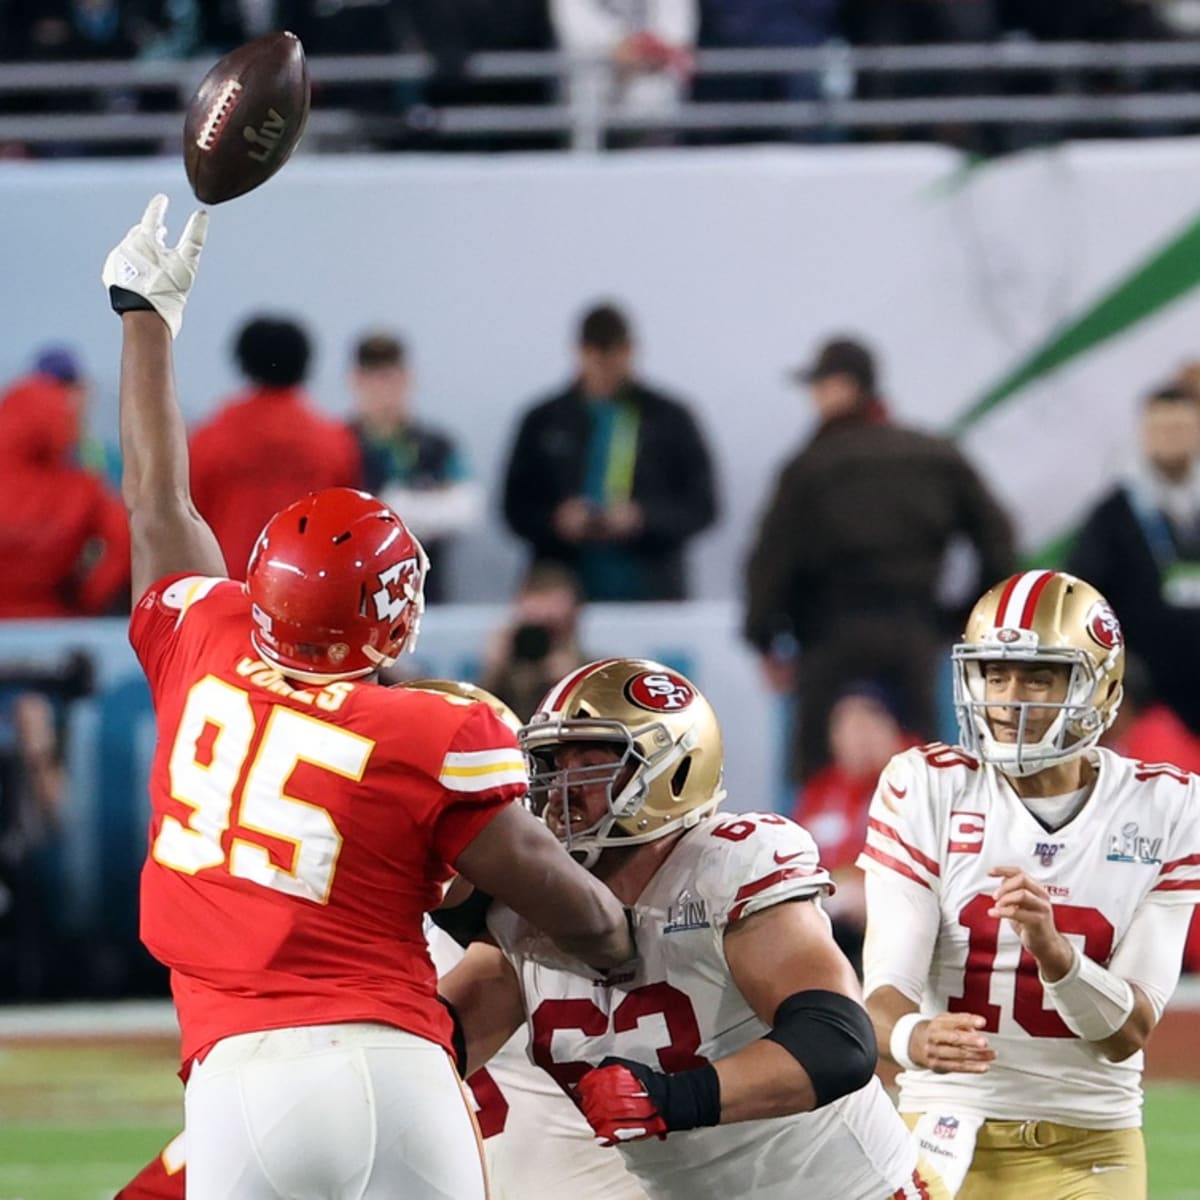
(337, 585)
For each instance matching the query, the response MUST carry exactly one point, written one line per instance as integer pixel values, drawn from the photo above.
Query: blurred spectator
(268, 445)
(539, 644)
(347, 27)
(1140, 546)
(1146, 729)
(735, 24)
(229, 23)
(61, 363)
(1191, 948)
(865, 730)
(84, 29)
(647, 49)
(415, 468)
(610, 477)
(842, 579)
(63, 533)
(31, 795)
(452, 32)
(119, 30)
(923, 22)
(33, 697)
(1085, 20)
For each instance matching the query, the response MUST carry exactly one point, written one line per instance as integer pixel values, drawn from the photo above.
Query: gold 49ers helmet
(671, 765)
(468, 693)
(1041, 617)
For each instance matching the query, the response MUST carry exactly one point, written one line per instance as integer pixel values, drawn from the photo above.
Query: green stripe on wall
(1161, 279)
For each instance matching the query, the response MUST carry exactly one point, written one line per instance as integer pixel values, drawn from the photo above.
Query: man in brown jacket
(842, 580)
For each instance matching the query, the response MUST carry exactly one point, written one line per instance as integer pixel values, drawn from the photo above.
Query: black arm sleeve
(831, 1037)
(466, 921)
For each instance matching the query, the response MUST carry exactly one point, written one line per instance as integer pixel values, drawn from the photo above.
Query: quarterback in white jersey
(1028, 897)
(732, 1058)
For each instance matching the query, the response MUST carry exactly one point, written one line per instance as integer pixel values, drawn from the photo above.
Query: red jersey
(64, 534)
(833, 808)
(299, 833)
(263, 450)
(1158, 735)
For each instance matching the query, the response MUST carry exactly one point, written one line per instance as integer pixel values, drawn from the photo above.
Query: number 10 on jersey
(216, 734)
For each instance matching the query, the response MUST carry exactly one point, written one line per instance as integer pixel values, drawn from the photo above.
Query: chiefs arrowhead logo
(396, 590)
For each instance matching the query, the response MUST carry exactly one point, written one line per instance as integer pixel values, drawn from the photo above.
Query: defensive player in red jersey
(304, 819)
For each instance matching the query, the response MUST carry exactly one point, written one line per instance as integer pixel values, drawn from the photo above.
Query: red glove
(617, 1103)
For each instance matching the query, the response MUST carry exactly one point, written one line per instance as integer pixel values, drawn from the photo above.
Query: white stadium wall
(734, 263)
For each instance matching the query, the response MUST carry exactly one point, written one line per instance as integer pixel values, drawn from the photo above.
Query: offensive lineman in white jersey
(732, 1058)
(1028, 896)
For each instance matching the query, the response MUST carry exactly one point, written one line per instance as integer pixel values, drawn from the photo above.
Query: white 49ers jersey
(942, 821)
(676, 1008)
(535, 1141)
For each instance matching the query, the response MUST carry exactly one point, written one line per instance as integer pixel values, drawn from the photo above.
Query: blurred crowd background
(608, 477)
(647, 62)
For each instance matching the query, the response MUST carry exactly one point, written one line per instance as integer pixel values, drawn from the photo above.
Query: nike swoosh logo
(899, 793)
(787, 858)
(1098, 1170)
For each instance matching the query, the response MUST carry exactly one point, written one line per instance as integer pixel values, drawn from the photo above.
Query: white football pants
(330, 1112)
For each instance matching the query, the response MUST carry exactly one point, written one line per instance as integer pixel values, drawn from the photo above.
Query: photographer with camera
(539, 643)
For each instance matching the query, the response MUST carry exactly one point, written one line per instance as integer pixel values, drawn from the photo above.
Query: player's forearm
(1054, 959)
(607, 938)
(487, 999)
(1134, 1034)
(1101, 1007)
(885, 1006)
(153, 436)
(760, 1081)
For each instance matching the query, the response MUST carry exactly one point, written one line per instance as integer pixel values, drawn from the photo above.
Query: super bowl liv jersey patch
(676, 1007)
(941, 821)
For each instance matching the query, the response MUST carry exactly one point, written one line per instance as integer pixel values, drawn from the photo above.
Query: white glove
(160, 275)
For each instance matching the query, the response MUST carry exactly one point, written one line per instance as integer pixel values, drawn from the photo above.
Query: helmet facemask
(1079, 717)
(627, 780)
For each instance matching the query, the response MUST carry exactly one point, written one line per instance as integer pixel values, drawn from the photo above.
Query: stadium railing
(972, 82)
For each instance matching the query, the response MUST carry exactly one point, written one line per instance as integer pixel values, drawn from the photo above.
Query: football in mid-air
(246, 118)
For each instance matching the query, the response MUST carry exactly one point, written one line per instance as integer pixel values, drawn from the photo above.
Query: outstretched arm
(519, 861)
(148, 284)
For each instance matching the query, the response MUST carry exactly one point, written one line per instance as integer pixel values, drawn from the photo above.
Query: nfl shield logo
(946, 1127)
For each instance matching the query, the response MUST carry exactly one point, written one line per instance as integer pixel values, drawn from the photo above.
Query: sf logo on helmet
(395, 589)
(1103, 626)
(660, 691)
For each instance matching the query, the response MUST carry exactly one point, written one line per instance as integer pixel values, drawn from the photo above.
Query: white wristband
(901, 1035)
(1092, 1001)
